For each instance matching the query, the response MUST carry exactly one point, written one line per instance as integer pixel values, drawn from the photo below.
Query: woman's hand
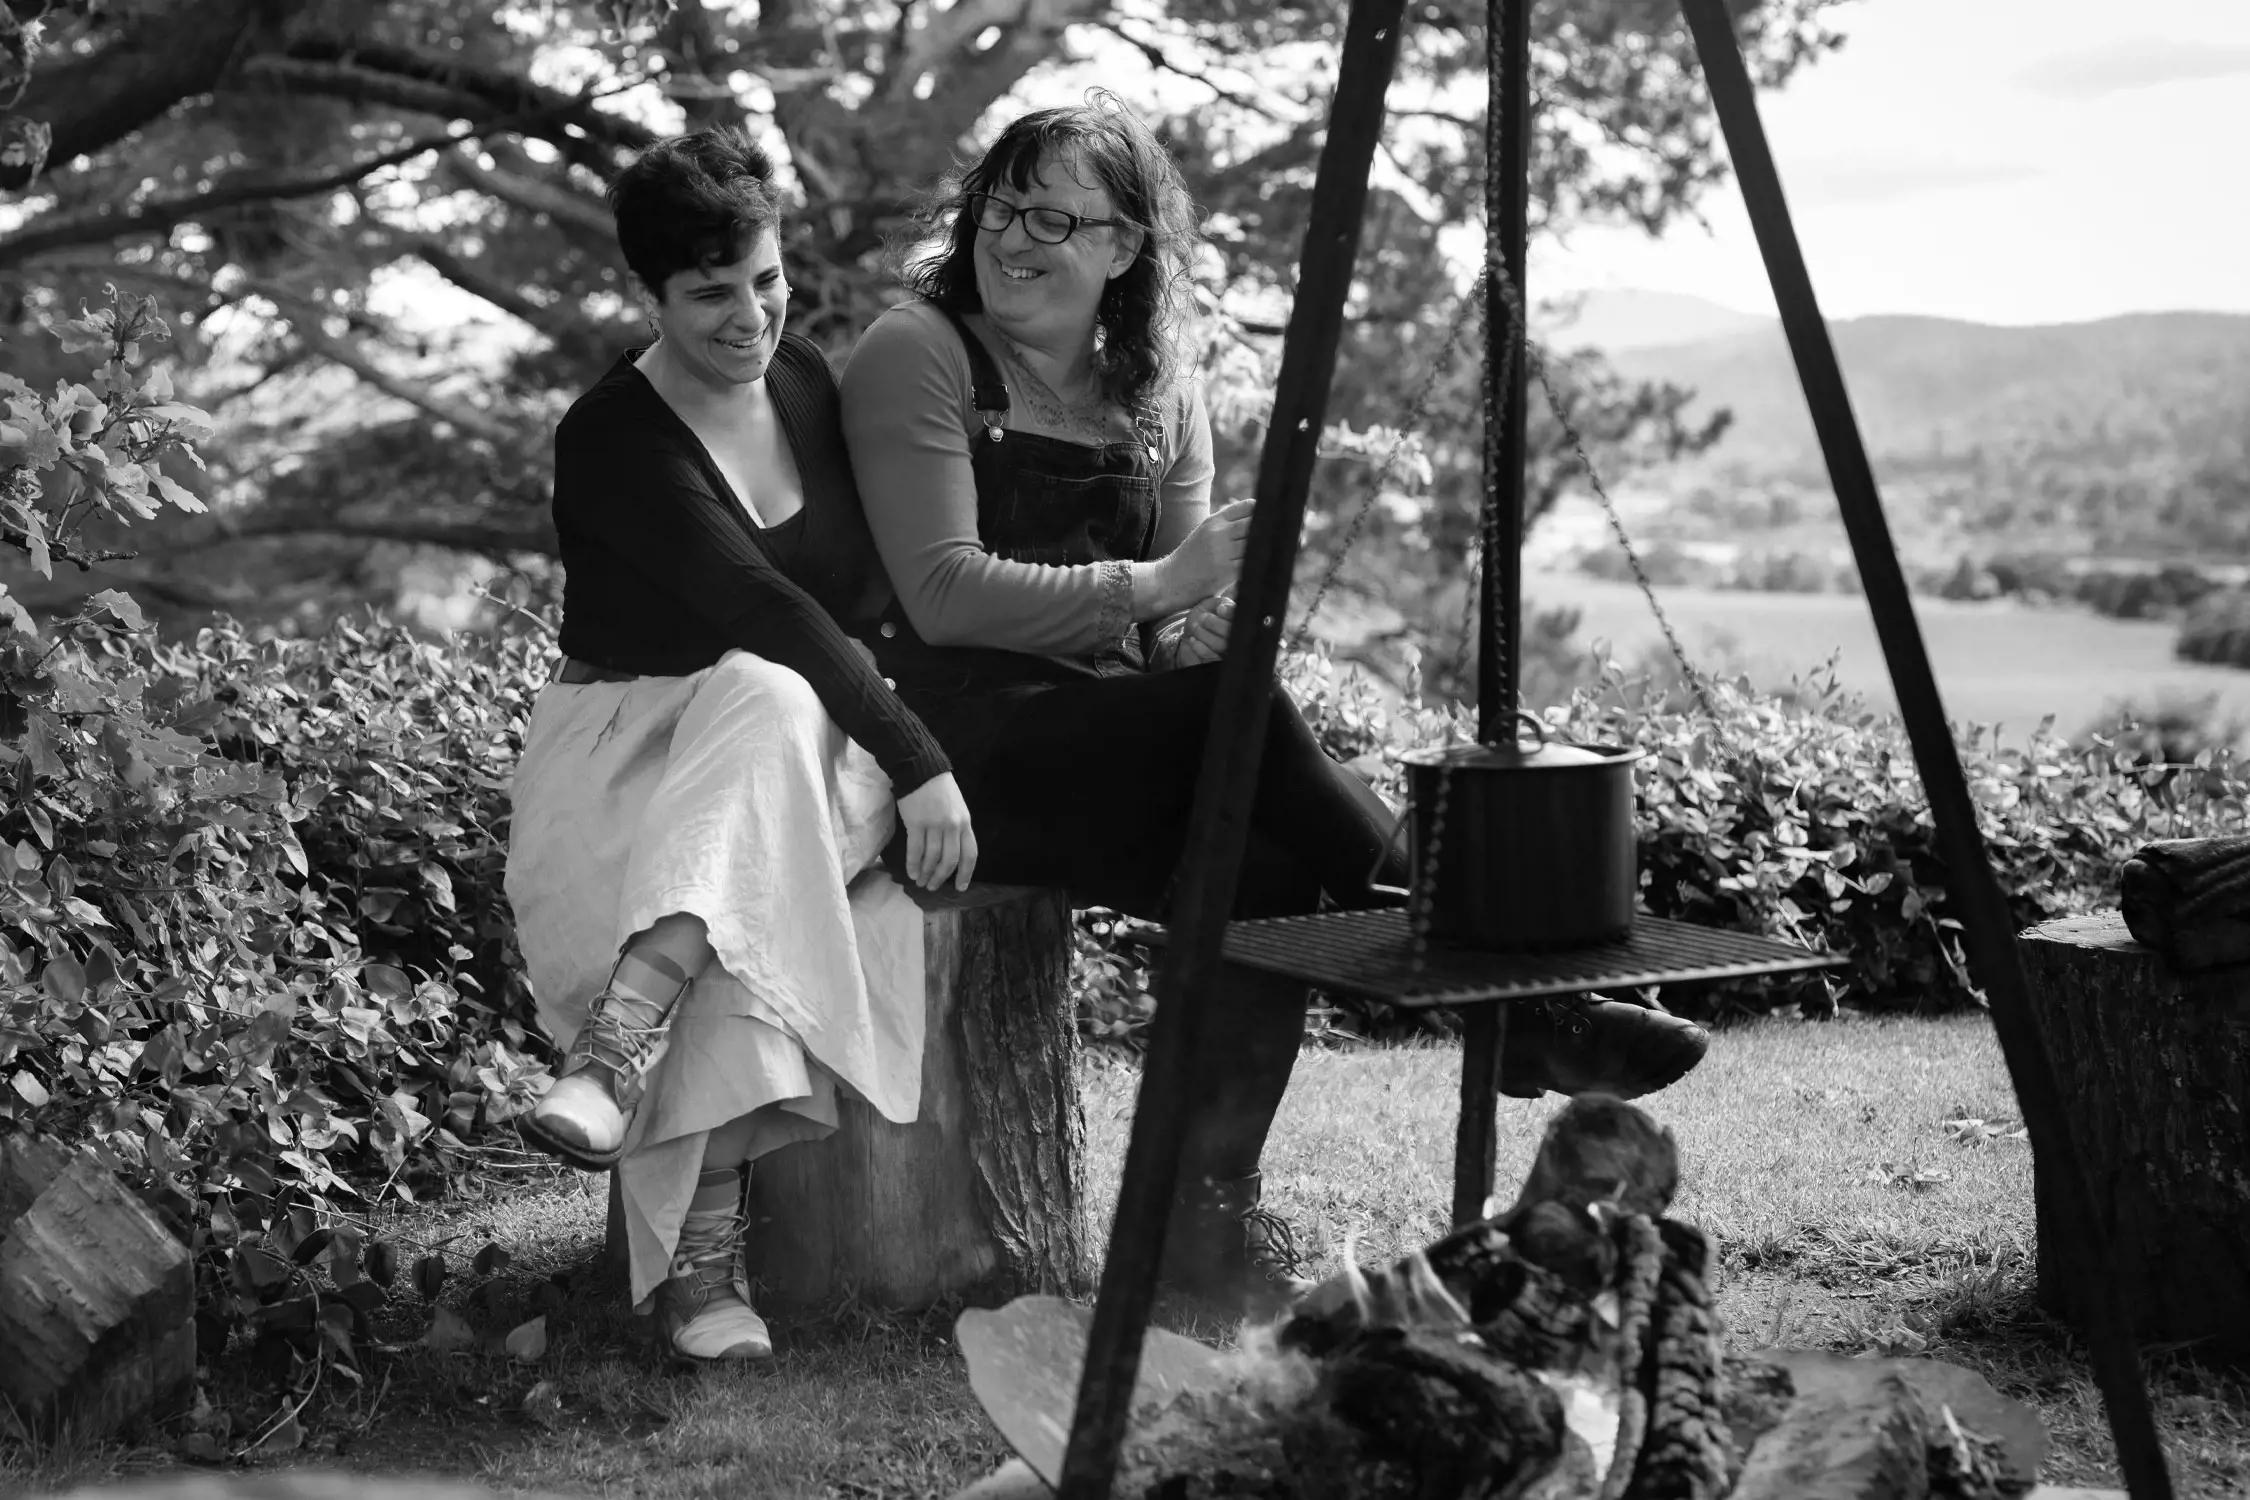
(939, 840)
(1204, 637)
(1205, 563)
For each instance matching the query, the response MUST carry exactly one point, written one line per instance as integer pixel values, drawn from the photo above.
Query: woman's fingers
(939, 843)
(965, 858)
(945, 852)
(917, 850)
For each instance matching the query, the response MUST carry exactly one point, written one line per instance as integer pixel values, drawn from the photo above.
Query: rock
(1861, 1429)
(1842, 1440)
(1933, 1384)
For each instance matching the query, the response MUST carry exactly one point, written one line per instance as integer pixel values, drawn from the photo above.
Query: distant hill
(1930, 386)
(2131, 431)
(1614, 321)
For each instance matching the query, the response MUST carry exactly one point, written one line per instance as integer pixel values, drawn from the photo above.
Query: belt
(573, 671)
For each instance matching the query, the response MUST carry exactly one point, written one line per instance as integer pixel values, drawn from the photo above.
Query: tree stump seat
(2154, 1069)
(982, 1197)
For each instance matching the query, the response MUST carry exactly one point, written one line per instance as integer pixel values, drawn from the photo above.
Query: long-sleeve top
(665, 571)
(907, 420)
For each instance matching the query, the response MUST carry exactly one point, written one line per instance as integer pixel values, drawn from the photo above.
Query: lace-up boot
(1223, 1246)
(583, 1117)
(704, 1306)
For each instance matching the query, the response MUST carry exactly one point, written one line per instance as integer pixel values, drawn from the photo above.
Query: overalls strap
(988, 393)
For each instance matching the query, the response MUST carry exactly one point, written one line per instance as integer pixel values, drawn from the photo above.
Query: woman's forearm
(1157, 592)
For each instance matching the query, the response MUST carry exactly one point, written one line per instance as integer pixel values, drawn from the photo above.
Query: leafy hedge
(253, 947)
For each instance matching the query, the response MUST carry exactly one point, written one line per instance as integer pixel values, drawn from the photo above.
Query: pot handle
(1538, 725)
(1381, 854)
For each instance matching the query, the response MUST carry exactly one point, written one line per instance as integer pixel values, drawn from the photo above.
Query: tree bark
(982, 1198)
(164, 53)
(2155, 1068)
(97, 1298)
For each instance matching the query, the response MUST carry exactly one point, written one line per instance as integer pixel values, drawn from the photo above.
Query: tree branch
(305, 322)
(170, 588)
(499, 538)
(382, 73)
(689, 35)
(1162, 62)
(168, 51)
(469, 277)
(940, 33)
(58, 230)
(569, 210)
(922, 132)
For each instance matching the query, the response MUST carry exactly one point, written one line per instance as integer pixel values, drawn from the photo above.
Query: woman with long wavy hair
(1035, 460)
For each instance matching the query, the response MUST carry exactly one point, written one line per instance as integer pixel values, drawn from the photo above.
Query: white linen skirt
(730, 794)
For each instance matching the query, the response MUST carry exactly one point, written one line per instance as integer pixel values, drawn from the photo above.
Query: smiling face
(721, 323)
(1044, 294)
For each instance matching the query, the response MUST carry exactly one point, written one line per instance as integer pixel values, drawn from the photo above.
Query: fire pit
(1565, 1349)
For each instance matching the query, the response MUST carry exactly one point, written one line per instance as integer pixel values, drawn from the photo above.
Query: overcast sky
(2009, 161)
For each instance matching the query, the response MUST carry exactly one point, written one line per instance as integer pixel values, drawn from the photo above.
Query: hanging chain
(1411, 426)
(1487, 542)
(1425, 872)
(1536, 365)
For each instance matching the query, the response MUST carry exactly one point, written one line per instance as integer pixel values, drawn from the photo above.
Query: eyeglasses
(1049, 226)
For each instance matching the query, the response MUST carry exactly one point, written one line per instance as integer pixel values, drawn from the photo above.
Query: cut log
(2189, 900)
(2154, 1068)
(982, 1198)
(97, 1298)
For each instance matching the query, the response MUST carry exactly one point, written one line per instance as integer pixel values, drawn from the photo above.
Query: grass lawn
(1849, 1217)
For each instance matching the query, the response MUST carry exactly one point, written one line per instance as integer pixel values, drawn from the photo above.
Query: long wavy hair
(1143, 309)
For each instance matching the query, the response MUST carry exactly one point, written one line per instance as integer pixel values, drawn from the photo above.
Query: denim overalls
(1039, 500)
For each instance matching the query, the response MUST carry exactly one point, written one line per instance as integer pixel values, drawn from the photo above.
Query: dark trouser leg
(1041, 817)
(1126, 751)
(1250, 1043)
(1122, 754)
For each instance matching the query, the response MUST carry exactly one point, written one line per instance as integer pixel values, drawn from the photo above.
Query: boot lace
(1270, 1245)
(624, 1049)
(707, 1260)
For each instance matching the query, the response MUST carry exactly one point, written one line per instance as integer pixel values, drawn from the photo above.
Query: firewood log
(97, 1298)
(2189, 900)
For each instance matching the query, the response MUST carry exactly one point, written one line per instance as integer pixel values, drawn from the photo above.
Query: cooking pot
(1536, 847)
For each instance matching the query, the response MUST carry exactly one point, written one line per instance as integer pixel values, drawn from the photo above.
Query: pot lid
(1522, 752)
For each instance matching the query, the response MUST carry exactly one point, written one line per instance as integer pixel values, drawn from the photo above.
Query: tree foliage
(276, 174)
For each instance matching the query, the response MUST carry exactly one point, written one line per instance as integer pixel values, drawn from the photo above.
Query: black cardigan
(664, 573)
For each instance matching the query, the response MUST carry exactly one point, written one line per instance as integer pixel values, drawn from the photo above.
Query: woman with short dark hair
(1035, 460)
(714, 761)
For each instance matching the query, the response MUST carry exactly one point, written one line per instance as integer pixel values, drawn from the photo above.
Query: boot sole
(584, 1161)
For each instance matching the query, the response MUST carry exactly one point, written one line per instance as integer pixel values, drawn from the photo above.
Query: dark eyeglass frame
(975, 204)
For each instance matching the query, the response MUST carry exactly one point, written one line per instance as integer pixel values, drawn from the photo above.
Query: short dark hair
(692, 201)
(1143, 306)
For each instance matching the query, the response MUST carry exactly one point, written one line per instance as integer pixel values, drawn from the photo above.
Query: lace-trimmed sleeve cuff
(1116, 616)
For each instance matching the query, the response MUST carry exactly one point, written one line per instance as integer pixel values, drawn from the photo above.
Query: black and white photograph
(1124, 750)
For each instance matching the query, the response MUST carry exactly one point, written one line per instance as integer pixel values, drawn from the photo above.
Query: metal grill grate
(1371, 953)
